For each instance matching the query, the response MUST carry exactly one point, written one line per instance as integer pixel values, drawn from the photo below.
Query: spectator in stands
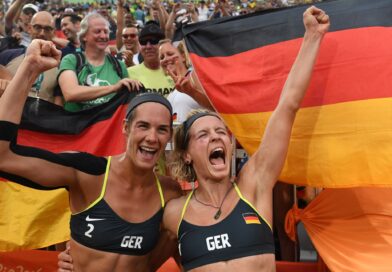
(140, 15)
(70, 25)
(221, 9)
(41, 27)
(127, 38)
(158, 13)
(112, 24)
(130, 54)
(18, 18)
(150, 73)
(92, 77)
(115, 189)
(183, 98)
(203, 11)
(181, 14)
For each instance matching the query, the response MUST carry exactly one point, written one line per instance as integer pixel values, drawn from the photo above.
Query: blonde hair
(181, 49)
(184, 52)
(179, 168)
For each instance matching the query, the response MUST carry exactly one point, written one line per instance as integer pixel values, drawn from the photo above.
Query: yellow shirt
(153, 80)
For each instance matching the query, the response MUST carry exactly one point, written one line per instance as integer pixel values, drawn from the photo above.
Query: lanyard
(37, 84)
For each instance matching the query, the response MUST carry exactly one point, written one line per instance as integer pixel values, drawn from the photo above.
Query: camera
(182, 18)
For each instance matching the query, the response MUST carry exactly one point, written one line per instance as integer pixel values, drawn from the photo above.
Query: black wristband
(8, 131)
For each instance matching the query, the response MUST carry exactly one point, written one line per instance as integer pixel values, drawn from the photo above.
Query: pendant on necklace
(217, 215)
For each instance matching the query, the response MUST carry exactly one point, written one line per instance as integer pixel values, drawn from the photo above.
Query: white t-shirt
(203, 13)
(182, 104)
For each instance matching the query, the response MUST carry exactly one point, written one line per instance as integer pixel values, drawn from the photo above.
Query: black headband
(147, 97)
(189, 122)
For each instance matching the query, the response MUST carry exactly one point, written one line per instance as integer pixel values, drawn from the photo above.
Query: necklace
(219, 208)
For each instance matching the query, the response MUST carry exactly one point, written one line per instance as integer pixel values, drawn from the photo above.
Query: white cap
(31, 6)
(69, 10)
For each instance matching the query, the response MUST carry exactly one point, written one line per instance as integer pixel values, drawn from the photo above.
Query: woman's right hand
(316, 20)
(181, 78)
(65, 261)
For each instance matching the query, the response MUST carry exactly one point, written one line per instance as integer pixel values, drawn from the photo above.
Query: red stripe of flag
(102, 138)
(348, 57)
(251, 219)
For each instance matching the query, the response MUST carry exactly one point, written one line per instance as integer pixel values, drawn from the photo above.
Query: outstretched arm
(40, 56)
(73, 92)
(12, 14)
(268, 161)
(120, 24)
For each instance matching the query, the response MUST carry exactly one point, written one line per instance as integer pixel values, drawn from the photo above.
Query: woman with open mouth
(225, 224)
(113, 227)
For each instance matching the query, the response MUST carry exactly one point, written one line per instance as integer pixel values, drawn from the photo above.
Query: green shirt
(153, 80)
(104, 75)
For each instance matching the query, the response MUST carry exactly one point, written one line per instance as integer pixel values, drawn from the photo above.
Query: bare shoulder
(176, 204)
(172, 215)
(170, 187)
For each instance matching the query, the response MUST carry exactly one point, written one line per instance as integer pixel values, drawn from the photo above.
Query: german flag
(251, 218)
(96, 130)
(342, 133)
(31, 218)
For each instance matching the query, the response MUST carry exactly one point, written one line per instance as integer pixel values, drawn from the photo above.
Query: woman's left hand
(42, 55)
(181, 78)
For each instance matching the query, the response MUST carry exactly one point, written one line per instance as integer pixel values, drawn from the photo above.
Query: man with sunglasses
(127, 36)
(41, 27)
(150, 73)
(130, 51)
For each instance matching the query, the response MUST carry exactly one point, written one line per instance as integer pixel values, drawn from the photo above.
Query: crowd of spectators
(125, 20)
(107, 45)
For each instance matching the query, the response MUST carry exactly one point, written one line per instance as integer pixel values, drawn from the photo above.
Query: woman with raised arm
(225, 225)
(186, 96)
(113, 227)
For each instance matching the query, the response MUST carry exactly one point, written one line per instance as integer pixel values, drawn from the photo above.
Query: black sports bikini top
(242, 233)
(99, 227)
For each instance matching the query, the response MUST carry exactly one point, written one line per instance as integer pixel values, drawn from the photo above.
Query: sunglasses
(29, 11)
(39, 28)
(132, 36)
(152, 41)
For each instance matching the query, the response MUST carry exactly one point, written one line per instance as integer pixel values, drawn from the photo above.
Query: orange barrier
(46, 261)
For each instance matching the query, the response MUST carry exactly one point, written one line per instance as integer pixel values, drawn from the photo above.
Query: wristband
(8, 131)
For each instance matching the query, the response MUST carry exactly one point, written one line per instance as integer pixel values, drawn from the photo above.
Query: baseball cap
(151, 29)
(30, 6)
(69, 10)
